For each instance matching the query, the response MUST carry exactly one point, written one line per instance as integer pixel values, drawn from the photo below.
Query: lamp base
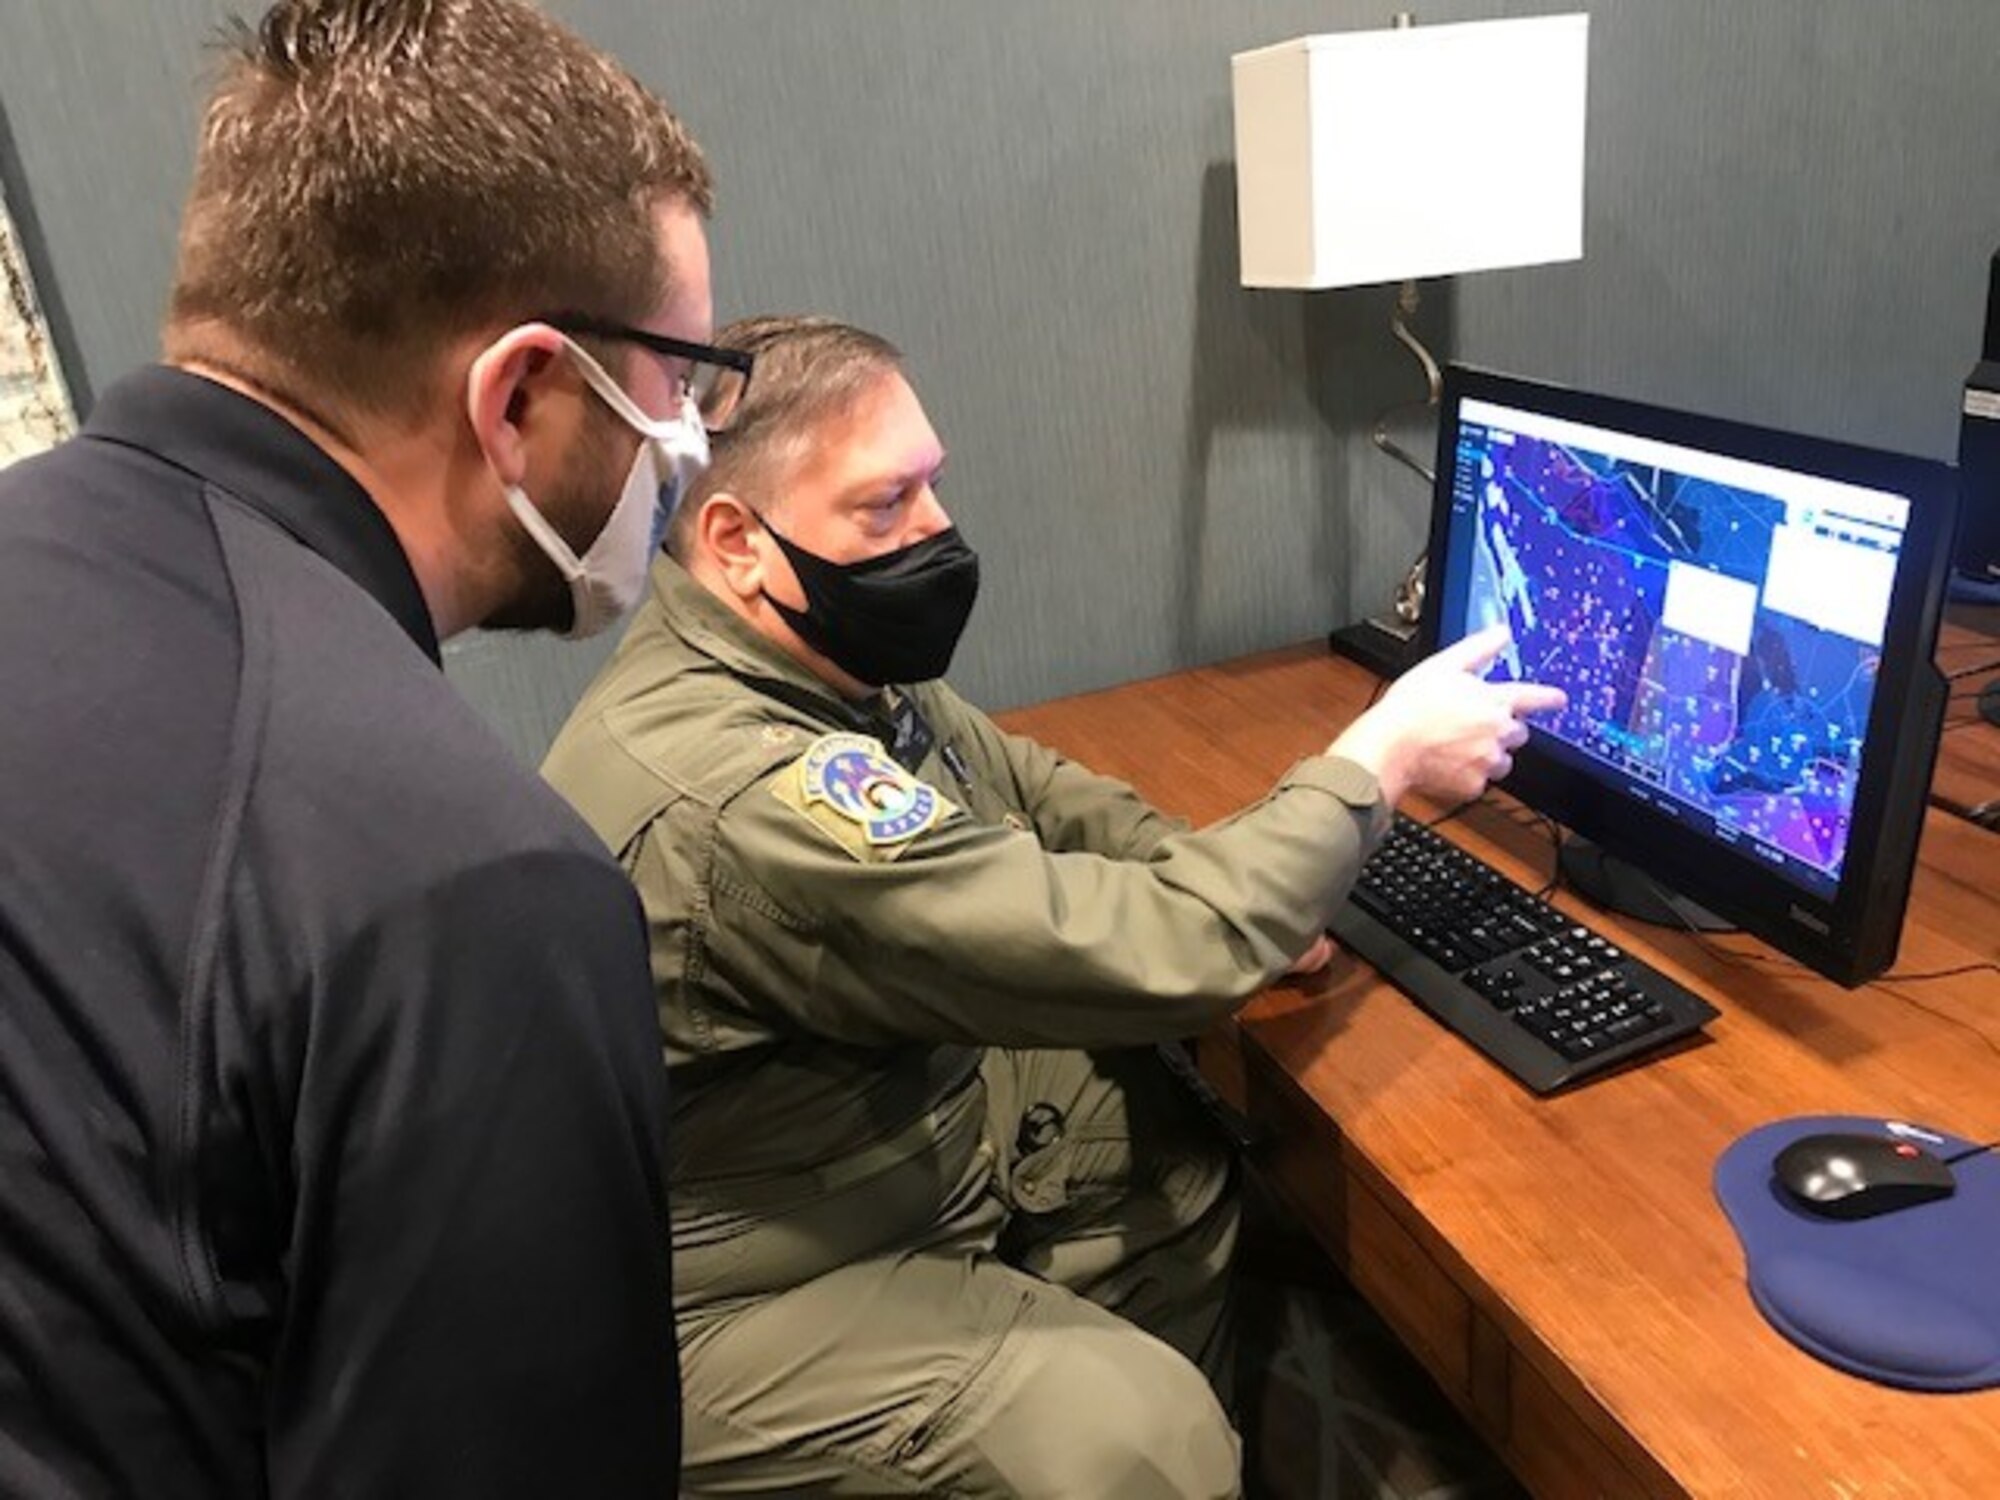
(1385, 647)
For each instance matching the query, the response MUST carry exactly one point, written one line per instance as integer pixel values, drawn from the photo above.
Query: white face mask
(608, 580)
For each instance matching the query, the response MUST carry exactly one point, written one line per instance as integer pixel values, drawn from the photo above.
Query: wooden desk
(1561, 1265)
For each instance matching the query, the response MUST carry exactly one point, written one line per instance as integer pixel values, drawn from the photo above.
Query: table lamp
(1386, 156)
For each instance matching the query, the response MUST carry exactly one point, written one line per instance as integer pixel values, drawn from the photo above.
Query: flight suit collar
(710, 629)
(246, 449)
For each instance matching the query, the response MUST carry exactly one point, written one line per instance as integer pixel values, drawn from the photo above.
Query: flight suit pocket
(928, 1441)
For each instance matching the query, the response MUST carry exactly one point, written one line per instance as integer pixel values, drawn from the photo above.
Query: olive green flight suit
(922, 1243)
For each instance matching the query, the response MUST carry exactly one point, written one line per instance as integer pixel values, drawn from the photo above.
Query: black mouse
(1851, 1176)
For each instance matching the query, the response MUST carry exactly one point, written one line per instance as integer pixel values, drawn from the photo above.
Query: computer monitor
(1979, 481)
(1744, 621)
(1979, 456)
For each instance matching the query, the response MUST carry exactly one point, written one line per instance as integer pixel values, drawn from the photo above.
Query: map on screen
(1716, 623)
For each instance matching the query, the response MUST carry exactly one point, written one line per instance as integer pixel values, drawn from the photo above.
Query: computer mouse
(1854, 1176)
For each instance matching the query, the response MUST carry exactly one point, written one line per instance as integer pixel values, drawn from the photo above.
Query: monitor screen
(1743, 621)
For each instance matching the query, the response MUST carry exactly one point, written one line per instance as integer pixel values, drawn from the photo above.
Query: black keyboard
(1547, 999)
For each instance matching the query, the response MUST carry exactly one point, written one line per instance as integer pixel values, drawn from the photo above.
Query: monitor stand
(1620, 886)
(1385, 647)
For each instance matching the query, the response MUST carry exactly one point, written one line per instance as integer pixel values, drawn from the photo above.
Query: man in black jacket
(330, 1093)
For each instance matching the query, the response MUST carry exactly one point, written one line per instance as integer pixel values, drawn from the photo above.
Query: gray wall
(1791, 206)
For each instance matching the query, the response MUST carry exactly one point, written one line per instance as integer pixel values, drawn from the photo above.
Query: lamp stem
(1409, 602)
(1406, 306)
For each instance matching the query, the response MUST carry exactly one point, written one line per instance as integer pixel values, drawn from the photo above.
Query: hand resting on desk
(1315, 958)
(1441, 728)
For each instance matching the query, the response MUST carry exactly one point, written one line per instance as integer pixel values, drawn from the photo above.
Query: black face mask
(894, 618)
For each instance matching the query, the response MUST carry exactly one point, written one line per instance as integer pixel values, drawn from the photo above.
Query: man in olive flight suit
(924, 1241)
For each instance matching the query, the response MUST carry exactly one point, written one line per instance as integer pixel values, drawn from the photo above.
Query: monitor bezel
(1853, 934)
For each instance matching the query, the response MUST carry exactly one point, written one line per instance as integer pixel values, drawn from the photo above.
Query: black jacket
(330, 1085)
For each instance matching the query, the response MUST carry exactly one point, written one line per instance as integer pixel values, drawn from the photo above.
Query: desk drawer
(1555, 1447)
(1305, 1167)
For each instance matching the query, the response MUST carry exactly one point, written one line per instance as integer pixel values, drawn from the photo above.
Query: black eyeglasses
(716, 379)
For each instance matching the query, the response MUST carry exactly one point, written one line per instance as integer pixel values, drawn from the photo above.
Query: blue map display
(1574, 550)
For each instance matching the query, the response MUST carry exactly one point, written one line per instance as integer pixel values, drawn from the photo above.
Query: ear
(724, 533)
(508, 395)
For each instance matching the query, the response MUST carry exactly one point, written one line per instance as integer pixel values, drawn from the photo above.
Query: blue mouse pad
(1908, 1298)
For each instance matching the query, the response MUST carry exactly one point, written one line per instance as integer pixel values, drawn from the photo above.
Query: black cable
(1453, 811)
(1936, 974)
(1709, 945)
(1883, 981)
(1950, 1161)
(1738, 956)
(1734, 956)
(1959, 674)
(1555, 848)
(1931, 1010)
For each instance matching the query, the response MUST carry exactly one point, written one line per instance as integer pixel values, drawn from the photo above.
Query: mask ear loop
(559, 551)
(680, 439)
(669, 430)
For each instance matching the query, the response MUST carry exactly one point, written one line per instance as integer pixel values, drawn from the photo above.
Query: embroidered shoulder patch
(847, 786)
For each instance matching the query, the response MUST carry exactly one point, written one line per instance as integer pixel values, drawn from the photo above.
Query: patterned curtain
(35, 411)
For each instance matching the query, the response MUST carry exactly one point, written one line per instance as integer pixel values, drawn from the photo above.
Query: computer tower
(1978, 551)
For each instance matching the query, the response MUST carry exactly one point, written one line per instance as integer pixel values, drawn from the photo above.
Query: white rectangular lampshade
(1392, 155)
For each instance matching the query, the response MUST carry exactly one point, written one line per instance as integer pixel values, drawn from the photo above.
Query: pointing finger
(1535, 698)
(1475, 653)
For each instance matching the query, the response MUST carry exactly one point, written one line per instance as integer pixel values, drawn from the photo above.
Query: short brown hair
(808, 370)
(377, 178)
